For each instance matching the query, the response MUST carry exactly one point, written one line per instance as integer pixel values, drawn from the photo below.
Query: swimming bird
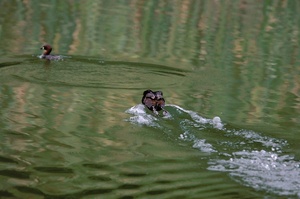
(154, 101)
(46, 53)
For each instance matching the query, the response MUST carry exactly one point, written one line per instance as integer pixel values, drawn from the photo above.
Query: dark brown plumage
(46, 53)
(153, 100)
(47, 49)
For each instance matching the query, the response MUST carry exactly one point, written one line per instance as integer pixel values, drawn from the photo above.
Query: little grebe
(46, 54)
(154, 101)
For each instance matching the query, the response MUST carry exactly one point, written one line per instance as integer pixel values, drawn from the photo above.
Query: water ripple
(93, 73)
(250, 158)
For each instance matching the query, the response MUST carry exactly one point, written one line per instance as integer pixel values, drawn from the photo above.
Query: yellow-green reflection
(235, 59)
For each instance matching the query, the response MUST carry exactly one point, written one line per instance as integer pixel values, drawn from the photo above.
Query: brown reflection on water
(235, 59)
(253, 43)
(160, 31)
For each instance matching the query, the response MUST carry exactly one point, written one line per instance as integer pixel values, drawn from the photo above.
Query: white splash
(216, 121)
(200, 144)
(141, 117)
(262, 170)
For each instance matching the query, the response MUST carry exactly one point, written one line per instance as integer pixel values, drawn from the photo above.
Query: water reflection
(64, 125)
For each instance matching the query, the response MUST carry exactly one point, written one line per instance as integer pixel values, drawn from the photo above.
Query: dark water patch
(5, 64)
(129, 186)
(18, 133)
(15, 174)
(30, 190)
(100, 178)
(54, 170)
(135, 175)
(156, 192)
(127, 197)
(97, 166)
(190, 186)
(79, 194)
(4, 193)
(97, 191)
(35, 191)
(163, 181)
(7, 160)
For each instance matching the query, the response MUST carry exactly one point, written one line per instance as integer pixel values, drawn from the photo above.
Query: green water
(75, 128)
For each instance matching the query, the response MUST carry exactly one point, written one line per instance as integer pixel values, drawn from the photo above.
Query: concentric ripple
(91, 72)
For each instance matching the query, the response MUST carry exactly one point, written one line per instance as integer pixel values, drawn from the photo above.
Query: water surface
(76, 128)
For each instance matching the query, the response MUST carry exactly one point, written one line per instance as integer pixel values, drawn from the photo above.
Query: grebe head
(47, 49)
(160, 101)
(149, 94)
(158, 95)
(154, 101)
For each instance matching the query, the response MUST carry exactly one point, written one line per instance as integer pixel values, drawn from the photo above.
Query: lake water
(76, 128)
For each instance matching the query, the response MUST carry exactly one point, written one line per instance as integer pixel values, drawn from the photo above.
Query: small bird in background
(46, 53)
(154, 101)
